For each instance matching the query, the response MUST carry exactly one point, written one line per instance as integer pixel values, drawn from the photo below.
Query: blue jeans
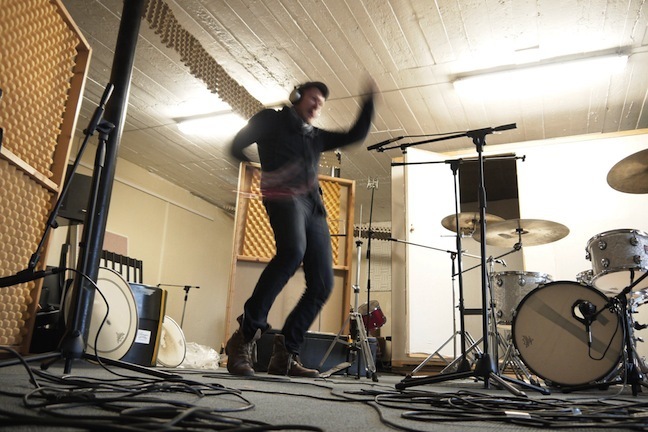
(301, 236)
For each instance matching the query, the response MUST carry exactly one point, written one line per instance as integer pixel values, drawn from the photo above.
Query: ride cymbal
(468, 221)
(528, 232)
(630, 175)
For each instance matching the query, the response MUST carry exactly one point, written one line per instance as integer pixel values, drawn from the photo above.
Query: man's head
(308, 100)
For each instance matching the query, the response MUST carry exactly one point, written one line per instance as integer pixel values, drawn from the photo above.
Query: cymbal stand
(485, 368)
(359, 340)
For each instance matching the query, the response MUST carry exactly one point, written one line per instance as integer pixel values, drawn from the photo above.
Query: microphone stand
(186, 297)
(485, 367)
(373, 185)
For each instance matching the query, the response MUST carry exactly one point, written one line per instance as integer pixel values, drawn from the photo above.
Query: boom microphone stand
(485, 368)
(186, 297)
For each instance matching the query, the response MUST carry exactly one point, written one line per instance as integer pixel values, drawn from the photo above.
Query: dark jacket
(289, 149)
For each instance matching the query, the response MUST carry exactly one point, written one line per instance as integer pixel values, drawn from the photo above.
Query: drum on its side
(172, 349)
(510, 287)
(618, 257)
(372, 316)
(113, 337)
(551, 335)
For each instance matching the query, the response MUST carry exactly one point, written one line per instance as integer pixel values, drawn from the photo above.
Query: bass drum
(551, 336)
(113, 337)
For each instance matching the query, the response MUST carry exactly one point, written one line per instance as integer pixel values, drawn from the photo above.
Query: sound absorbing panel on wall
(43, 62)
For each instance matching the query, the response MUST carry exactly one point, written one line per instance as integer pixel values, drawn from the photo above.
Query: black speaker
(151, 307)
(75, 202)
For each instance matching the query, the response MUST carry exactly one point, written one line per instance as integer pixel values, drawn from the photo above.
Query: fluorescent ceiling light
(548, 78)
(220, 124)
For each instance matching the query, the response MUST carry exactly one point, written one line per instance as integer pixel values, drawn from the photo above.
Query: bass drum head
(552, 338)
(172, 350)
(117, 334)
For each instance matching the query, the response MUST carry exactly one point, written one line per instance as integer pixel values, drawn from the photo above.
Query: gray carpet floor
(113, 398)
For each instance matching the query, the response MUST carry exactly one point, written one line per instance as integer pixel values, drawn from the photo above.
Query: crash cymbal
(468, 221)
(533, 232)
(630, 174)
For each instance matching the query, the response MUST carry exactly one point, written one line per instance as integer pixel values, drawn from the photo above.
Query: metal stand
(186, 297)
(462, 363)
(485, 368)
(359, 340)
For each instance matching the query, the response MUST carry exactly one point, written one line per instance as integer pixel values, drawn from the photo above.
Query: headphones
(296, 94)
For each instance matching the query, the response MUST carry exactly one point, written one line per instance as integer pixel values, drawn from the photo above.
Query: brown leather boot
(240, 354)
(284, 363)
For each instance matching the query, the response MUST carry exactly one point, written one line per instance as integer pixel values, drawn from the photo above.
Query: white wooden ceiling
(413, 49)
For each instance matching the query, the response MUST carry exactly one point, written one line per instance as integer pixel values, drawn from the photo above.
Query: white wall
(182, 240)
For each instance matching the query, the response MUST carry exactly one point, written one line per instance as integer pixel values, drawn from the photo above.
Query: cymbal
(630, 174)
(531, 232)
(468, 221)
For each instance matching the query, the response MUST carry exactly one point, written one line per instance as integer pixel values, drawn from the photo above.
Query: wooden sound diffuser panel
(43, 59)
(258, 238)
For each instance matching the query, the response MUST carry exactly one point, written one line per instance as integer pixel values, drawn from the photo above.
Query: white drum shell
(618, 257)
(510, 287)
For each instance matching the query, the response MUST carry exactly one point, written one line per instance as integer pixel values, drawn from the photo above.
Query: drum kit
(573, 335)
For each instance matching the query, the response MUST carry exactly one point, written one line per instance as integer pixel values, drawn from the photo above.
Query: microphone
(588, 311)
(28, 275)
(382, 143)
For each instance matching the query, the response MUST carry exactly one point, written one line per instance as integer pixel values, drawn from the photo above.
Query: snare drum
(552, 337)
(510, 287)
(372, 316)
(618, 257)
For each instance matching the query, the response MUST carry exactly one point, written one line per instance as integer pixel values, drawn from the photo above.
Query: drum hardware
(485, 369)
(630, 174)
(359, 341)
(511, 359)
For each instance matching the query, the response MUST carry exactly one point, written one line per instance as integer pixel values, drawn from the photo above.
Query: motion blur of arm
(360, 128)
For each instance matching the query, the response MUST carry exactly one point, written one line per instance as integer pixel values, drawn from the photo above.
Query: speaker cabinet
(151, 307)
